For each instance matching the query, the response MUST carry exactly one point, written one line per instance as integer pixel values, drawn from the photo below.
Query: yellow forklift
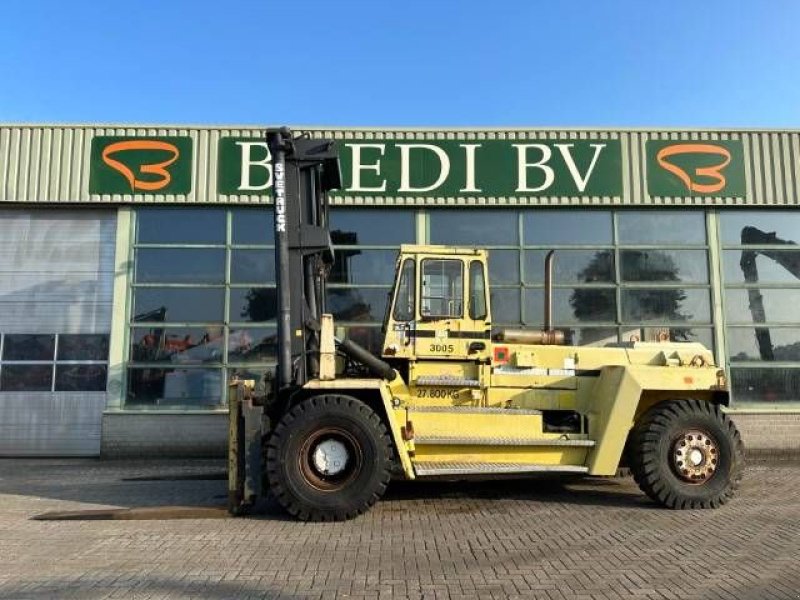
(452, 397)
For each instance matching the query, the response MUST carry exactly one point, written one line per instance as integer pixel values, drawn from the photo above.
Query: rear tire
(329, 459)
(686, 454)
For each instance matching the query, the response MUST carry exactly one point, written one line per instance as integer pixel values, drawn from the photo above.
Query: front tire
(329, 459)
(687, 454)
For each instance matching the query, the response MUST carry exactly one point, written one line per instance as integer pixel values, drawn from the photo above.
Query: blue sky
(415, 62)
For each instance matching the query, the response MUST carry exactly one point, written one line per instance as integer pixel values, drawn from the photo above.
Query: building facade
(137, 273)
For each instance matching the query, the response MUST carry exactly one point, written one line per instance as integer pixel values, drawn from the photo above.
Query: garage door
(56, 281)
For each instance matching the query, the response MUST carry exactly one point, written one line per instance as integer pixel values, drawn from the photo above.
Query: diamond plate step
(439, 440)
(428, 469)
(479, 410)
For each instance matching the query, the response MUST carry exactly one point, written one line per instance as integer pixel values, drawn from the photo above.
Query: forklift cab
(439, 305)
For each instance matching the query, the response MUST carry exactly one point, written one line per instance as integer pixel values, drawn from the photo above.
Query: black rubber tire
(651, 443)
(296, 492)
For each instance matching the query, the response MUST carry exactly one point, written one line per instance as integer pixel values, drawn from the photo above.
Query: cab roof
(441, 250)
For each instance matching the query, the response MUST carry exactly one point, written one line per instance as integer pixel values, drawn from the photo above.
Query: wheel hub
(330, 457)
(695, 456)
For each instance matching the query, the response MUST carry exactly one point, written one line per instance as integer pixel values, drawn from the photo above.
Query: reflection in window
(579, 305)
(765, 385)
(81, 378)
(405, 301)
(661, 227)
(253, 304)
(504, 267)
(358, 304)
(178, 304)
(571, 266)
(664, 305)
(590, 336)
(761, 266)
(474, 227)
(761, 227)
(762, 305)
(664, 266)
(253, 266)
(477, 291)
(252, 345)
(180, 226)
(381, 227)
(174, 387)
(442, 288)
(253, 226)
(186, 345)
(28, 347)
(26, 378)
(180, 265)
(505, 305)
(764, 343)
(563, 227)
(82, 347)
(356, 266)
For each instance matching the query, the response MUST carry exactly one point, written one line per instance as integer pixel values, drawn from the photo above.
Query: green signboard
(141, 165)
(449, 168)
(680, 168)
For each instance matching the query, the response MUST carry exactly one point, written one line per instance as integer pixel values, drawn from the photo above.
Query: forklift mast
(304, 171)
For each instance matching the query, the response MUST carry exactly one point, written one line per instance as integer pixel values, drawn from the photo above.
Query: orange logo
(714, 172)
(159, 168)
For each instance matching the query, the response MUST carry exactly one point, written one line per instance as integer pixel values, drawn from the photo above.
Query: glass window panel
(82, 347)
(664, 305)
(370, 338)
(183, 345)
(364, 304)
(379, 227)
(777, 306)
(253, 304)
(590, 336)
(784, 224)
(442, 284)
(661, 227)
(579, 305)
(664, 266)
(563, 227)
(782, 266)
(474, 227)
(765, 385)
(357, 266)
(252, 344)
(405, 305)
(702, 335)
(253, 226)
(180, 226)
(477, 291)
(503, 267)
(81, 378)
(571, 266)
(505, 306)
(253, 266)
(763, 343)
(183, 388)
(28, 347)
(26, 378)
(180, 265)
(178, 304)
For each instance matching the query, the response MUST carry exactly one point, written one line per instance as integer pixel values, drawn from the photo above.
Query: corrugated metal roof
(50, 164)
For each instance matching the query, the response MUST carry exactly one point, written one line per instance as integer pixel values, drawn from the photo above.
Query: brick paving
(549, 538)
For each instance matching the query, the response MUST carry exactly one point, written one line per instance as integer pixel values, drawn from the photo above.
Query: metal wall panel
(51, 424)
(56, 276)
(50, 164)
(56, 270)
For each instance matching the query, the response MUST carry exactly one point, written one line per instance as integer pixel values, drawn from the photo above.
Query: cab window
(477, 291)
(404, 302)
(442, 288)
